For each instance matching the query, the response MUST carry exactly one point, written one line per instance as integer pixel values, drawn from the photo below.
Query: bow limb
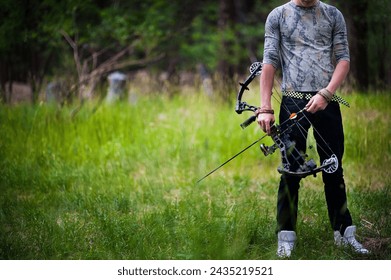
(330, 165)
(309, 170)
(241, 106)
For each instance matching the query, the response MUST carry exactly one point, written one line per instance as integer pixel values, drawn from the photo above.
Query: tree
(379, 44)
(225, 36)
(370, 46)
(24, 52)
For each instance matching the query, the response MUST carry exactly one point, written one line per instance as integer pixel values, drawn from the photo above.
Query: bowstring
(301, 128)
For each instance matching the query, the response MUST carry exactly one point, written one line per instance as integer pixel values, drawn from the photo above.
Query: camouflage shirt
(306, 43)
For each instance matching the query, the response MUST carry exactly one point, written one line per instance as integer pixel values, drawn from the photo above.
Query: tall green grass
(118, 182)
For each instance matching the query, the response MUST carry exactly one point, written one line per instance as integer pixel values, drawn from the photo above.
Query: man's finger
(309, 104)
(268, 128)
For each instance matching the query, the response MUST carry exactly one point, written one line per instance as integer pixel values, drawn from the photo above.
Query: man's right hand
(265, 121)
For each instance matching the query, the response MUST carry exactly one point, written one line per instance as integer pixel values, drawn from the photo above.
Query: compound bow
(294, 163)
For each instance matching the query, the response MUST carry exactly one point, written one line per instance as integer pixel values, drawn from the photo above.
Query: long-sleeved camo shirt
(306, 43)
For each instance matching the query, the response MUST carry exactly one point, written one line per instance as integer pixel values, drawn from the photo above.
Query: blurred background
(84, 179)
(67, 49)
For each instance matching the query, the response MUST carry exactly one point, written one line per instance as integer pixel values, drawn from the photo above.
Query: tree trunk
(358, 38)
(225, 69)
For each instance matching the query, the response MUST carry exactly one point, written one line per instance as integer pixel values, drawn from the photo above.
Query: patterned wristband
(263, 111)
(326, 94)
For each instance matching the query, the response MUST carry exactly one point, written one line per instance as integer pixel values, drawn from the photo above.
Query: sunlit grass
(118, 182)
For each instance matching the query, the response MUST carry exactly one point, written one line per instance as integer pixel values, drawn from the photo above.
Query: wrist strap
(326, 94)
(263, 111)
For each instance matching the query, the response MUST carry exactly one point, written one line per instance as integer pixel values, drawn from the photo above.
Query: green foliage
(203, 46)
(119, 183)
(379, 43)
(186, 32)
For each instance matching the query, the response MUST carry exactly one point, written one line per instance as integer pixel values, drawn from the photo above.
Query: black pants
(329, 136)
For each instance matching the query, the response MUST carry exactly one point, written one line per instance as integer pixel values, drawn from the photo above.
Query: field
(118, 182)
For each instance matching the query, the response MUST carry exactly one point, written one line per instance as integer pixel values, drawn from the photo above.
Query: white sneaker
(286, 243)
(349, 238)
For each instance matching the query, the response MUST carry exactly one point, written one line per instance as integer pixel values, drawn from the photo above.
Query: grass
(119, 183)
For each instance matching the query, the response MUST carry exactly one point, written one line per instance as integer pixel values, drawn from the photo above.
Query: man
(308, 40)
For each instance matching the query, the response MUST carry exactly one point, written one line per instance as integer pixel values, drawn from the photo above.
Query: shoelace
(354, 243)
(285, 249)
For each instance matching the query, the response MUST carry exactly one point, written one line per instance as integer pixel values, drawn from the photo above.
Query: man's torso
(307, 38)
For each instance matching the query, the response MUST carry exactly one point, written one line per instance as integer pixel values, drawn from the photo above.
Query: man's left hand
(316, 103)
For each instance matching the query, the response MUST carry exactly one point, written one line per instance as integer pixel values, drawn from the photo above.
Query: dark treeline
(81, 41)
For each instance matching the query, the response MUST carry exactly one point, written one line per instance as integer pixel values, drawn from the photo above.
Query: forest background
(85, 179)
(79, 43)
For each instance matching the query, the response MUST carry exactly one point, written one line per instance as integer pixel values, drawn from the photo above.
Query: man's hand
(316, 103)
(265, 121)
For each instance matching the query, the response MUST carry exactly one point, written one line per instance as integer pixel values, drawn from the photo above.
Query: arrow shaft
(224, 163)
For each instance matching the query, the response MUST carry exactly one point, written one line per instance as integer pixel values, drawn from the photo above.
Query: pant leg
(288, 191)
(287, 203)
(329, 129)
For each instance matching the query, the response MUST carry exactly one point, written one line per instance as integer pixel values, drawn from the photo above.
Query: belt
(308, 96)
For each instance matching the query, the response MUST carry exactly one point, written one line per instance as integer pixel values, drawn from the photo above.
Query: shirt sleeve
(271, 54)
(340, 42)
